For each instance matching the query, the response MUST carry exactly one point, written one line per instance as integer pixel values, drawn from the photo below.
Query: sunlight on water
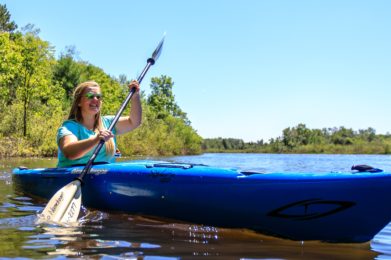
(287, 162)
(381, 243)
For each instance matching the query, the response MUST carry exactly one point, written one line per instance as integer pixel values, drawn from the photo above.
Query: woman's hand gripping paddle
(64, 206)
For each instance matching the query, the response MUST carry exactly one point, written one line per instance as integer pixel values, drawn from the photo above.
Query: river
(109, 235)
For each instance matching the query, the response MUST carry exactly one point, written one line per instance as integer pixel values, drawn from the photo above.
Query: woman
(85, 127)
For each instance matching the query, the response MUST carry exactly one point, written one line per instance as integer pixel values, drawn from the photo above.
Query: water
(122, 236)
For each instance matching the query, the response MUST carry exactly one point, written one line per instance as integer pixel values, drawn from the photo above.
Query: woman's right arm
(73, 148)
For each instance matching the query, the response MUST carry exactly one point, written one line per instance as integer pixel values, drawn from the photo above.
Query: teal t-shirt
(71, 127)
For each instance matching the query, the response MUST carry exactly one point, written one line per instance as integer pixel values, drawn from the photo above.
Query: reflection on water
(123, 236)
(382, 243)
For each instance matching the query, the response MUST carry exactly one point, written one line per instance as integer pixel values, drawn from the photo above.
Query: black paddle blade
(158, 50)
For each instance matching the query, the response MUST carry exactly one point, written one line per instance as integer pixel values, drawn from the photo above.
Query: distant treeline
(301, 139)
(36, 94)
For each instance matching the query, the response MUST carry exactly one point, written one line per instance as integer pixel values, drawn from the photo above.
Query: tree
(162, 99)
(67, 71)
(367, 134)
(10, 65)
(5, 24)
(343, 136)
(296, 136)
(35, 72)
(122, 79)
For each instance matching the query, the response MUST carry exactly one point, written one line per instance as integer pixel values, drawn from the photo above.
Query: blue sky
(242, 69)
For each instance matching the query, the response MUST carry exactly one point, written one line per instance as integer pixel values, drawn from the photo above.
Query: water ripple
(381, 243)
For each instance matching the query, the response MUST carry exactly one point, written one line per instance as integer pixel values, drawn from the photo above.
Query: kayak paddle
(64, 206)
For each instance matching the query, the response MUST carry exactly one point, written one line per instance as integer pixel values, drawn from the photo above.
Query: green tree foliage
(6, 25)
(300, 139)
(295, 136)
(30, 102)
(221, 144)
(67, 71)
(162, 99)
(34, 87)
(10, 65)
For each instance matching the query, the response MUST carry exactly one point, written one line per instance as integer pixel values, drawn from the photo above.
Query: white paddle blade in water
(64, 206)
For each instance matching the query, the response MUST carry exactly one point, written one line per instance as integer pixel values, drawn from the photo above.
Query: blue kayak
(334, 207)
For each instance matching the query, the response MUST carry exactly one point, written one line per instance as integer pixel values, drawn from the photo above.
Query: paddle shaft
(90, 162)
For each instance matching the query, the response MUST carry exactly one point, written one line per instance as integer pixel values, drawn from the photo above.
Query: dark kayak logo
(93, 171)
(310, 209)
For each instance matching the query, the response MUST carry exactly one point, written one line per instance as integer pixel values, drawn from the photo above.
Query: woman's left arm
(128, 123)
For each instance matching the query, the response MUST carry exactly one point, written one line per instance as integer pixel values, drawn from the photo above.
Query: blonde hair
(75, 113)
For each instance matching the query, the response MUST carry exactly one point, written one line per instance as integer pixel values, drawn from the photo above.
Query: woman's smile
(91, 100)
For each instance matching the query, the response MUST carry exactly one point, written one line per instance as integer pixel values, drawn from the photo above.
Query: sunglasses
(94, 95)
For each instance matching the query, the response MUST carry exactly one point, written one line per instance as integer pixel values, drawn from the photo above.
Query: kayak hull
(334, 207)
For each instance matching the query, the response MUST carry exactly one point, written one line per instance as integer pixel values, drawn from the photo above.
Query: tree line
(300, 139)
(36, 94)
